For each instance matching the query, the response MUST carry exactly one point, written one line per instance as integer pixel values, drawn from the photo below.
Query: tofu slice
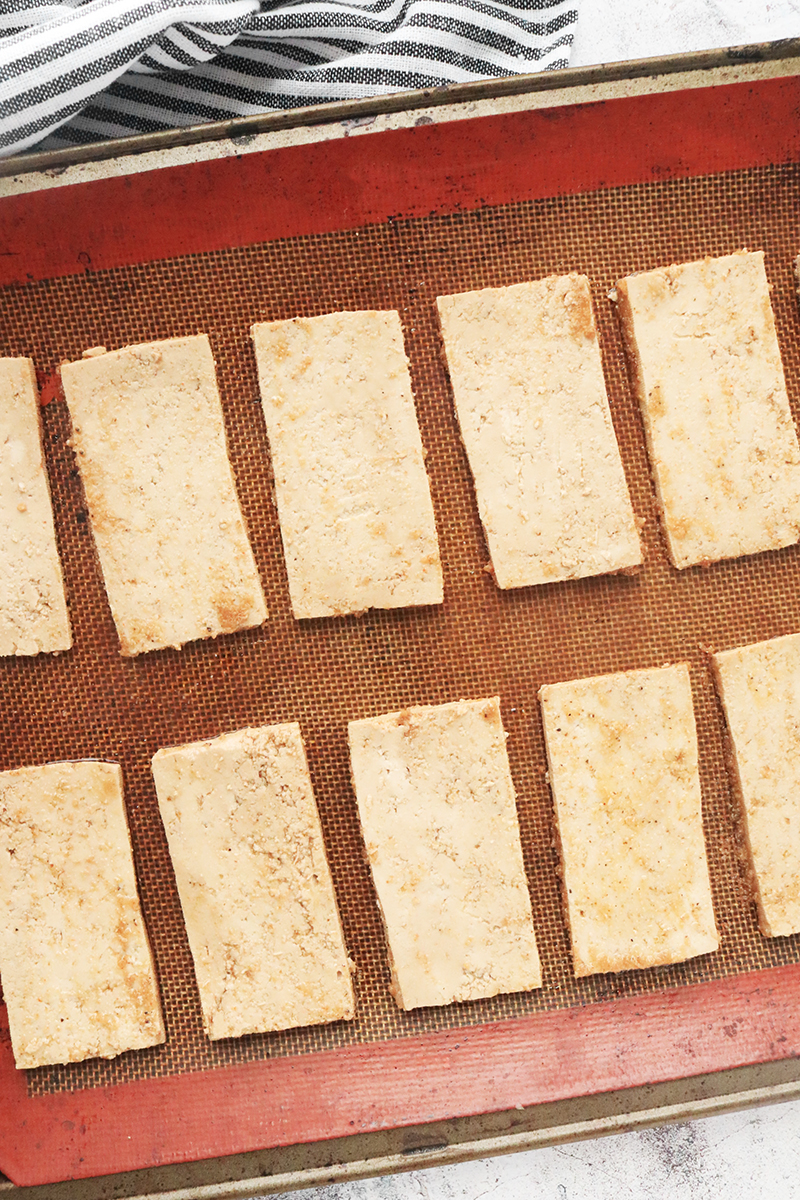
(77, 972)
(150, 442)
(531, 402)
(707, 369)
(622, 752)
(439, 820)
(353, 496)
(33, 608)
(257, 896)
(760, 690)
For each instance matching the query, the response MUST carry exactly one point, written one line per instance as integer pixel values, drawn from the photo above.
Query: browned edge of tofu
(441, 347)
(636, 378)
(591, 330)
(741, 829)
(441, 353)
(395, 991)
(46, 475)
(394, 982)
(555, 841)
(124, 650)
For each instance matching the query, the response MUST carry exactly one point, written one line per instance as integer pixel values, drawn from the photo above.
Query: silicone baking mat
(494, 203)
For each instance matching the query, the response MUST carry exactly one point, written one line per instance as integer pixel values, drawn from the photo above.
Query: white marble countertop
(613, 30)
(749, 1154)
(752, 1153)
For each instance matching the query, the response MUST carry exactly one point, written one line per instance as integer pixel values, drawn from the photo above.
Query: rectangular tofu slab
(760, 690)
(77, 972)
(33, 609)
(706, 366)
(531, 403)
(622, 752)
(353, 496)
(257, 896)
(150, 443)
(438, 814)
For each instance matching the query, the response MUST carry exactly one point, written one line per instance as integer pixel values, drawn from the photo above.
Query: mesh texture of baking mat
(93, 703)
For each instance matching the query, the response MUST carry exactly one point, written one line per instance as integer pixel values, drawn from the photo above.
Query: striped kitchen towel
(73, 72)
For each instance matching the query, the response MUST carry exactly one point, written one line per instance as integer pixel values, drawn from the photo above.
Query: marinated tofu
(150, 442)
(707, 368)
(33, 608)
(531, 402)
(622, 754)
(439, 820)
(353, 496)
(257, 896)
(760, 690)
(77, 972)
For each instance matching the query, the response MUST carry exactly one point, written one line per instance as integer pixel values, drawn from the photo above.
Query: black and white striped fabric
(73, 72)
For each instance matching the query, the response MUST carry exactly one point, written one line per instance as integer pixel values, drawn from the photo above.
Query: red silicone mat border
(341, 184)
(574, 1052)
(371, 178)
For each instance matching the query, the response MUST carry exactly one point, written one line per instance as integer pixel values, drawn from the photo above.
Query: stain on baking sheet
(93, 703)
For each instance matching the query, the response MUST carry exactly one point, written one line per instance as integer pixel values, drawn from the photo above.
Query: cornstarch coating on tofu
(353, 496)
(257, 896)
(75, 962)
(33, 610)
(622, 753)
(531, 402)
(706, 366)
(439, 819)
(760, 690)
(150, 442)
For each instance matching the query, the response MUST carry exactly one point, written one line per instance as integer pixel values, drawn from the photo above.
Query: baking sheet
(481, 641)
